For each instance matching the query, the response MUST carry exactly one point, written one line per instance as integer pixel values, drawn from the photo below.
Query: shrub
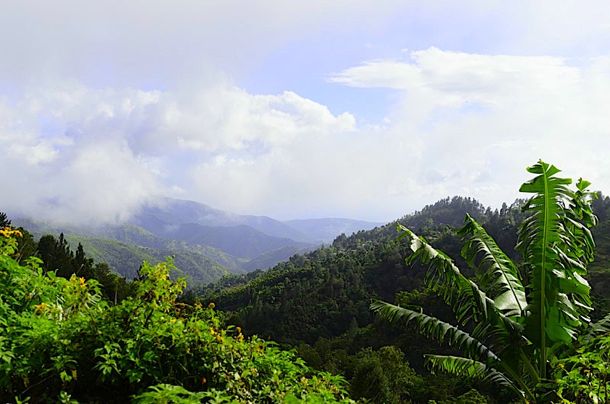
(61, 341)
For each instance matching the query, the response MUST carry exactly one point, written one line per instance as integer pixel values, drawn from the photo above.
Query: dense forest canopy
(316, 304)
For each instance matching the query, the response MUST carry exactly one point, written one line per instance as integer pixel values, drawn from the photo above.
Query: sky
(292, 109)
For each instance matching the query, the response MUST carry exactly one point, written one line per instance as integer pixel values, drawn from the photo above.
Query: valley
(207, 243)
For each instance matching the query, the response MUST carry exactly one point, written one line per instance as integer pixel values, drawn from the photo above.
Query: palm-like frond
(470, 369)
(500, 276)
(556, 246)
(434, 328)
(469, 303)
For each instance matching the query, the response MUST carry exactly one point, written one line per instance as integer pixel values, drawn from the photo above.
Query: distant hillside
(240, 241)
(166, 212)
(269, 259)
(331, 286)
(327, 291)
(203, 239)
(127, 258)
(169, 211)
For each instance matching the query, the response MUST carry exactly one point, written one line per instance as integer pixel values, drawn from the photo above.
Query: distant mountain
(240, 241)
(326, 230)
(167, 211)
(206, 242)
(156, 217)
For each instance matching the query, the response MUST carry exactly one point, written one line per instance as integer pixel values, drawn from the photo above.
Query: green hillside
(319, 302)
(125, 258)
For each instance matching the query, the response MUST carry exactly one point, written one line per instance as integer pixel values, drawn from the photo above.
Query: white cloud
(465, 124)
(478, 120)
(146, 98)
(156, 43)
(454, 78)
(227, 117)
(76, 154)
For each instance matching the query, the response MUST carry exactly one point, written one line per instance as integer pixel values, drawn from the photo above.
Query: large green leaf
(499, 275)
(556, 247)
(472, 369)
(434, 328)
(471, 306)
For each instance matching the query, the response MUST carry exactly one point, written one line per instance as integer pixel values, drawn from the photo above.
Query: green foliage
(61, 341)
(470, 397)
(26, 246)
(58, 257)
(318, 302)
(507, 338)
(4, 220)
(171, 394)
(125, 258)
(383, 376)
(584, 376)
(496, 272)
(557, 245)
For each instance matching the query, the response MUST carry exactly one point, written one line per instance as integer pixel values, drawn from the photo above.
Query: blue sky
(364, 109)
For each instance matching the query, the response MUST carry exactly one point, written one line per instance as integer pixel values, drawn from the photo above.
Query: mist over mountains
(206, 243)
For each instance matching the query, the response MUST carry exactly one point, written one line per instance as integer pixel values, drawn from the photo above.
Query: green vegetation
(583, 376)
(123, 247)
(60, 340)
(318, 302)
(197, 268)
(508, 336)
(71, 329)
(57, 257)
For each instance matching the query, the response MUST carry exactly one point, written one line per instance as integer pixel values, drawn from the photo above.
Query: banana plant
(518, 314)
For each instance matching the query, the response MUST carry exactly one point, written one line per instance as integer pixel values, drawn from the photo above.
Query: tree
(4, 221)
(516, 316)
(384, 376)
(58, 257)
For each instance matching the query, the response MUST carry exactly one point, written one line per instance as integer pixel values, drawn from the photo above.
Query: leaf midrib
(545, 229)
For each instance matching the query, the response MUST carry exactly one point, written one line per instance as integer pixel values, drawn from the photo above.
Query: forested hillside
(195, 266)
(319, 302)
(208, 243)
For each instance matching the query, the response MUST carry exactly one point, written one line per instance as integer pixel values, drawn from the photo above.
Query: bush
(584, 377)
(61, 341)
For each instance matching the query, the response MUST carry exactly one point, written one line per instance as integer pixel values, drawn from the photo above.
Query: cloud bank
(105, 106)
(476, 120)
(464, 124)
(82, 155)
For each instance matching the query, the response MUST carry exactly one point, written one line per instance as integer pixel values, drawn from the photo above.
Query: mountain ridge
(210, 237)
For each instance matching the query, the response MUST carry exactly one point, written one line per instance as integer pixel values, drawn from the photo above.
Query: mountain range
(206, 243)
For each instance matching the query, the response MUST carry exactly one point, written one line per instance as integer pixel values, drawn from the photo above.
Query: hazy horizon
(360, 109)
